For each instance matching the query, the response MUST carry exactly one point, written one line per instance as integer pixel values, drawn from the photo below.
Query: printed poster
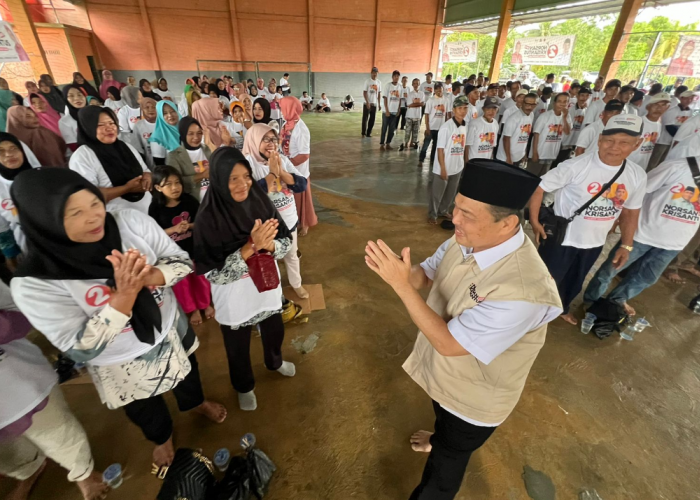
(458, 52)
(544, 50)
(686, 59)
(11, 49)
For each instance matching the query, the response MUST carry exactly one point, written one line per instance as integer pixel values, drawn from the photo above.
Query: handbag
(190, 476)
(263, 270)
(555, 225)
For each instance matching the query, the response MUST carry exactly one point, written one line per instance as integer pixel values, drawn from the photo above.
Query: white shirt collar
(490, 256)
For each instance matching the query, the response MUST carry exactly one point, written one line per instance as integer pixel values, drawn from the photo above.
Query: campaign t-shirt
(404, 95)
(518, 127)
(393, 97)
(373, 88)
(550, 128)
(427, 89)
(305, 99)
(237, 131)
(650, 134)
(436, 109)
(415, 96)
(540, 109)
(673, 116)
(167, 217)
(141, 133)
(671, 210)
(595, 109)
(452, 138)
(128, 117)
(324, 102)
(481, 138)
(274, 100)
(473, 112)
(200, 164)
(596, 95)
(577, 180)
(506, 105)
(687, 147)
(689, 128)
(577, 116)
(588, 138)
(284, 84)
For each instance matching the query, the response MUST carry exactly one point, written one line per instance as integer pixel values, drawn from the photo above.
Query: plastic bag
(261, 469)
(247, 476)
(236, 483)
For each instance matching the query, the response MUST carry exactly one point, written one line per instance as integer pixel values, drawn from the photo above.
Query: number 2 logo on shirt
(9, 206)
(98, 295)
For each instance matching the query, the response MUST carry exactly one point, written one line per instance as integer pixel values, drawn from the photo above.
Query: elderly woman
(98, 285)
(142, 134)
(130, 112)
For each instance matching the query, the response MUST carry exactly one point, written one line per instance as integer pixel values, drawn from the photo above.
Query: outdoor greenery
(592, 39)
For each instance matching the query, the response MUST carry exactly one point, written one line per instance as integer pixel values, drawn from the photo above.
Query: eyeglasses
(270, 140)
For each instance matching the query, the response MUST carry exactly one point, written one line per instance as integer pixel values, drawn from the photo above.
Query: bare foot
(675, 278)
(691, 270)
(209, 312)
(432, 222)
(569, 318)
(213, 411)
(420, 441)
(301, 292)
(303, 231)
(93, 488)
(23, 488)
(196, 318)
(629, 310)
(164, 453)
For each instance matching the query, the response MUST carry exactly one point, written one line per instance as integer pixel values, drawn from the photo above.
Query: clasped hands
(395, 270)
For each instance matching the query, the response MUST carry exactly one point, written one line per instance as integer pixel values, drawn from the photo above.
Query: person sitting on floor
(348, 103)
(307, 102)
(324, 105)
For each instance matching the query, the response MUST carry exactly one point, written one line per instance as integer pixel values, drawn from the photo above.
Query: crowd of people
(160, 211)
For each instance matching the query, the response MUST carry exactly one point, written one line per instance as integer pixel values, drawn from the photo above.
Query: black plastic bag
(261, 469)
(236, 482)
(610, 316)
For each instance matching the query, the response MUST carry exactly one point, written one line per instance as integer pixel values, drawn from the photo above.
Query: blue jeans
(644, 268)
(388, 125)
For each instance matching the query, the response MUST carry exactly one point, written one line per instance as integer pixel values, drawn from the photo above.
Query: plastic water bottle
(112, 476)
(587, 323)
(629, 332)
(248, 441)
(222, 458)
(696, 309)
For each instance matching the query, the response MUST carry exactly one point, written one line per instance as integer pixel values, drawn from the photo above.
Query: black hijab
(265, 104)
(85, 87)
(72, 109)
(11, 173)
(223, 224)
(219, 92)
(53, 256)
(118, 161)
(115, 92)
(183, 127)
(195, 79)
(54, 97)
(150, 94)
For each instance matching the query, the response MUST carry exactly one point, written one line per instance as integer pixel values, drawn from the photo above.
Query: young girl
(236, 128)
(175, 211)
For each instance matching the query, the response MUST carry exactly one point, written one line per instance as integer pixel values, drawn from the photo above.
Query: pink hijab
(208, 113)
(107, 82)
(253, 138)
(49, 117)
(291, 112)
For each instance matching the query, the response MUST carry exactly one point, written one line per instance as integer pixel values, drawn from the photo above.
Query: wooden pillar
(237, 49)
(618, 41)
(312, 29)
(149, 35)
(501, 38)
(437, 34)
(377, 25)
(24, 28)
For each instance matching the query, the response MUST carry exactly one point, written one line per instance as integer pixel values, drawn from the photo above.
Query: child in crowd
(175, 211)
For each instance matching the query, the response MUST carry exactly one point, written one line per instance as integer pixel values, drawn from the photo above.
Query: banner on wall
(460, 52)
(11, 49)
(544, 50)
(686, 58)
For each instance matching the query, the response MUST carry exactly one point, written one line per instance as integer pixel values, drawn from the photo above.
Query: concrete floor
(616, 416)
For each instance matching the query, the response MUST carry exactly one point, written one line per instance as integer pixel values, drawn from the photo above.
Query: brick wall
(58, 53)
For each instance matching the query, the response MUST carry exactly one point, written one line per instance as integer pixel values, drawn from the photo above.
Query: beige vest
(486, 393)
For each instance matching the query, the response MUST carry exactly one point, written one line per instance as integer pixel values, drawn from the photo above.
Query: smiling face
(84, 217)
(148, 108)
(146, 86)
(529, 104)
(79, 79)
(194, 135)
(76, 98)
(615, 148)
(268, 144)
(239, 183)
(107, 129)
(163, 85)
(475, 226)
(169, 115)
(11, 156)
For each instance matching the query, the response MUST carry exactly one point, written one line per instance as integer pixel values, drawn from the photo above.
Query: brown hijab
(49, 148)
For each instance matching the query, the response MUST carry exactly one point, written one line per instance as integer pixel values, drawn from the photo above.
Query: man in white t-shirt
(595, 108)
(686, 142)
(574, 183)
(482, 132)
(509, 102)
(392, 101)
(657, 106)
(516, 132)
(427, 87)
(587, 141)
(449, 162)
(597, 92)
(668, 221)
(435, 115)
(372, 93)
(447, 86)
(324, 105)
(307, 103)
(671, 121)
(577, 114)
(414, 103)
(548, 132)
(405, 89)
(473, 110)
(284, 83)
(542, 104)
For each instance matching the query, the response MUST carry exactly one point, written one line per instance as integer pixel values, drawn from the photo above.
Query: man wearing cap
(651, 129)
(668, 223)
(392, 100)
(577, 114)
(587, 141)
(449, 162)
(516, 132)
(483, 324)
(574, 182)
(435, 115)
(372, 94)
(653, 90)
(482, 132)
(595, 108)
(670, 124)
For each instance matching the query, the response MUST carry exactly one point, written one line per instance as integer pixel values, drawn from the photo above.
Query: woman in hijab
(191, 158)
(112, 165)
(208, 113)
(220, 88)
(296, 145)
(165, 137)
(235, 220)
(247, 103)
(68, 124)
(147, 90)
(276, 175)
(5, 103)
(31, 89)
(15, 158)
(142, 132)
(107, 82)
(130, 113)
(134, 342)
(80, 82)
(51, 93)
(49, 148)
(261, 111)
(47, 115)
(162, 90)
(114, 99)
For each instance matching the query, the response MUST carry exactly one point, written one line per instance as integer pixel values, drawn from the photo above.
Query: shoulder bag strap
(694, 170)
(605, 187)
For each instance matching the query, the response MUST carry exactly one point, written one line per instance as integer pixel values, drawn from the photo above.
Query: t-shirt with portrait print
(577, 116)
(200, 164)
(167, 217)
(550, 128)
(518, 127)
(481, 138)
(373, 88)
(650, 134)
(452, 138)
(436, 108)
(393, 97)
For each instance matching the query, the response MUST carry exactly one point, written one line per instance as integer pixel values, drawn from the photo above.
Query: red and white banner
(544, 50)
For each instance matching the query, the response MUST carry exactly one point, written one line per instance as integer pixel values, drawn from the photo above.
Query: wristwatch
(627, 247)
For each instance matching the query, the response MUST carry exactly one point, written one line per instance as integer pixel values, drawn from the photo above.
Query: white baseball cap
(522, 92)
(688, 93)
(624, 124)
(661, 96)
